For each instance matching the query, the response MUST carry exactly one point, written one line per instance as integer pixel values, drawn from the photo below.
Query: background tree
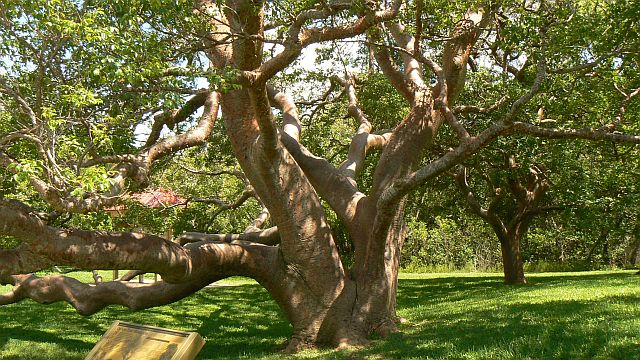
(78, 78)
(513, 201)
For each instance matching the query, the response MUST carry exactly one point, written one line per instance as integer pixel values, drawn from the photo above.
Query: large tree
(79, 76)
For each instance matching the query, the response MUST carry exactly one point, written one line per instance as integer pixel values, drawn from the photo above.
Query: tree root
(386, 328)
(296, 344)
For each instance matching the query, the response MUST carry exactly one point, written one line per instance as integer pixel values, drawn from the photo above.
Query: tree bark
(513, 265)
(314, 291)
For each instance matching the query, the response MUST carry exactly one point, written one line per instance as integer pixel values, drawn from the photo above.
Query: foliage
(8, 242)
(448, 245)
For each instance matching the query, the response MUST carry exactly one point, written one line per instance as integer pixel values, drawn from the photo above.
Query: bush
(448, 246)
(555, 266)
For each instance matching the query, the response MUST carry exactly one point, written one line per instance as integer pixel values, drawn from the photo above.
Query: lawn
(451, 316)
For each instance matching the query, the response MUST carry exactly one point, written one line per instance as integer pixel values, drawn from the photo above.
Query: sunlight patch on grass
(451, 316)
(19, 349)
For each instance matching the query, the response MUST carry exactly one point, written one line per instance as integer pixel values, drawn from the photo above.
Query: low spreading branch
(184, 269)
(44, 245)
(266, 237)
(88, 299)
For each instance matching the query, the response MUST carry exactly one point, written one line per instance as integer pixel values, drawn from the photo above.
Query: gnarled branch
(173, 117)
(88, 299)
(269, 236)
(195, 136)
(363, 140)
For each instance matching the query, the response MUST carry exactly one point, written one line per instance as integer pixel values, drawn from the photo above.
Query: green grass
(451, 316)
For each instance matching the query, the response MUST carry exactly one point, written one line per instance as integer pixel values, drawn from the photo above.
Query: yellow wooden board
(126, 341)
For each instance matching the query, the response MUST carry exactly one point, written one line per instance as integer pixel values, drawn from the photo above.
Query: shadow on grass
(248, 324)
(56, 324)
(479, 317)
(25, 334)
(240, 321)
(473, 317)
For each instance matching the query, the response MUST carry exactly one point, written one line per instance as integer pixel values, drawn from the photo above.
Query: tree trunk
(512, 262)
(377, 279)
(324, 303)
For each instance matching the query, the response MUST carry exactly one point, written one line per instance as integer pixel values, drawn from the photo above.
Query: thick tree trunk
(377, 280)
(324, 303)
(512, 260)
(308, 281)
